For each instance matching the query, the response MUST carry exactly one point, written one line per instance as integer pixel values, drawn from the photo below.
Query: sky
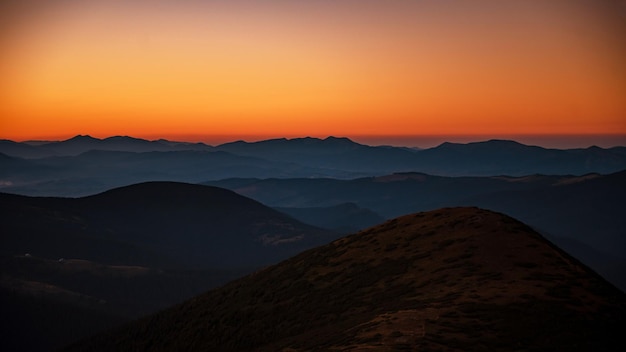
(386, 71)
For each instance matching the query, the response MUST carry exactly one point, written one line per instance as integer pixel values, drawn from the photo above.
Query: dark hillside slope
(203, 226)
(454, 279)
(195, 225)
(131, 251)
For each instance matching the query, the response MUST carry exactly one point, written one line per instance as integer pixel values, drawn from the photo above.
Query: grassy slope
(453, 279)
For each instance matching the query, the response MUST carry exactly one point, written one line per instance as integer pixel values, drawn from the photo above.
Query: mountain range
(85, 165)
(127, 252)
(84, 143)
(584, 214)
(454, 279)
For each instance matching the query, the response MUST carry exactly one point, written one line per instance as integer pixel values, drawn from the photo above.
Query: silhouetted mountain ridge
(84, 143)
(333, 157)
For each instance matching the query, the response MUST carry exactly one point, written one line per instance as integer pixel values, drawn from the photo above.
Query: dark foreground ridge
(453, 279)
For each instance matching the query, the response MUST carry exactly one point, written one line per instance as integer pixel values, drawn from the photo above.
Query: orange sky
(295, 68)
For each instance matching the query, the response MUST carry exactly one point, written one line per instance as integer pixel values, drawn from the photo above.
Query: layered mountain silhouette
(453, 279)
(85, 165)
(581, 213)
(111, 257)
(84, 143)
(96, 171)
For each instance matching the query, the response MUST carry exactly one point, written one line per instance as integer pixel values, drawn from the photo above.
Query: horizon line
(558, 141)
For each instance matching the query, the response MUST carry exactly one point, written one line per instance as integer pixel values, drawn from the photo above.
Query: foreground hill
(454, 279)
(111, 257)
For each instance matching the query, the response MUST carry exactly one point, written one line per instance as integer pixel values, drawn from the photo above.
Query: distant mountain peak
(504, 143)
(492, 144)
(342, 139)
(123, 138)
(489, 141)
(447, 145)
(499, 141)
(82, 137)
